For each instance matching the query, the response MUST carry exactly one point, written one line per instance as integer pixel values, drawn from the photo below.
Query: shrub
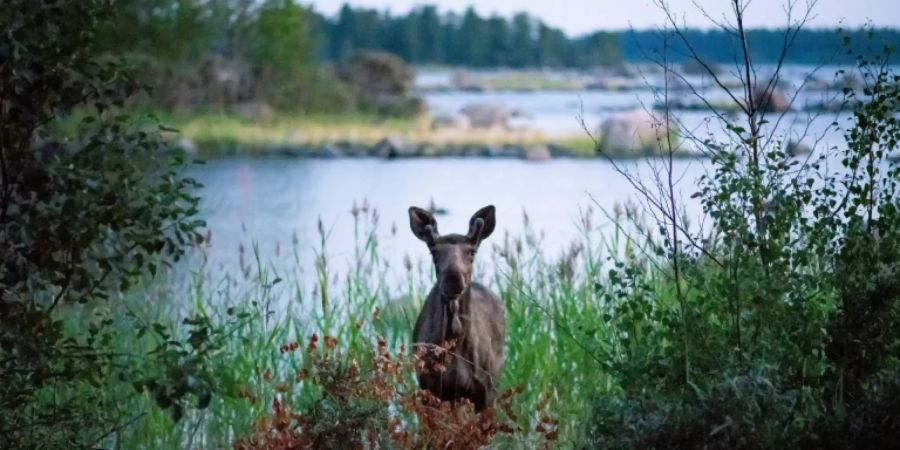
(381, 82)
(778, 326)
(368, 400)
(80, 221)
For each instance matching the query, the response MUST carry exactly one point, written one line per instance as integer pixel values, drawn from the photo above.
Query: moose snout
(453, 284)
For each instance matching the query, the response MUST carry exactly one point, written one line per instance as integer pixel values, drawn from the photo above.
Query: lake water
(277, 204)
(565, 113)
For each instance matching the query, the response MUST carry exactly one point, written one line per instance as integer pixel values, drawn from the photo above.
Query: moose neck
(456, 311)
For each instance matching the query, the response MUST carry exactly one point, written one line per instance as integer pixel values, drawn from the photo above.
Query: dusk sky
(581, 16)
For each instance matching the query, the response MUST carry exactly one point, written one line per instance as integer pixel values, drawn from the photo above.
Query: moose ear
(422, 224)
(481, 225)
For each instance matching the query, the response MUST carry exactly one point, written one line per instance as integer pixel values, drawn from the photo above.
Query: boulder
(330, 152)
(465, 81)
(381, 81)
(540, 153)
(393, 147)
(453, 121)
(635, 131)
(559, 151)
(771, 100)
(506, 151)
(487, 115)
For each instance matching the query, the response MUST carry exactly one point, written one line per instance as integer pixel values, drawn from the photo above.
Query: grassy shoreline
(219, 134)
(363, 135)
(215, 134)
(357, 309)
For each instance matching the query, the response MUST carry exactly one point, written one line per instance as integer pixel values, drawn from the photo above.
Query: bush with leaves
(81, 219)
(381, 82)
(780, 325)
(367, 399)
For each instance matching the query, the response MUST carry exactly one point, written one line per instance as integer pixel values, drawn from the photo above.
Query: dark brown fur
(461, 311)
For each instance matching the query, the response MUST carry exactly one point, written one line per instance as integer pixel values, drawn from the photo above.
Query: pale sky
(581, 16)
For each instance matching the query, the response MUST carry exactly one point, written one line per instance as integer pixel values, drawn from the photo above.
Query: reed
(553, 314)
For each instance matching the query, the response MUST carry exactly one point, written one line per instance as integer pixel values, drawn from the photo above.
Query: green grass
(213, 132)
(552, 324)
(221, 134)
(525, 81)
(217, 134)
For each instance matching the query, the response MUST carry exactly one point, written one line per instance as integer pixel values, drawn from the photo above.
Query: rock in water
(540, 153)
(636, 131)
(771, 100)
(487, 115)
(452, 121)
(393, 147)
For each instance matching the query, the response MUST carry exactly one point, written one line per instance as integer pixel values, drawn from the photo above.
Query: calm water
(277, 203)
(560, 113)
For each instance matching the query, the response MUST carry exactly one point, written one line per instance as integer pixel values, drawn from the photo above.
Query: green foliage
(80, 221)
(746, 411)
(222, 54)
(785, 329)
(381, 82)
(425, 36)
(776, 328)
(173, 31)
(811, 46)
(281, 53)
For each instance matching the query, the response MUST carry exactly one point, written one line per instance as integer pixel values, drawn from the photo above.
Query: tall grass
(554, 317)
(214, 132)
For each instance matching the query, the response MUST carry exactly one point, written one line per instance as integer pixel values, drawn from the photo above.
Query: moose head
(452, 253)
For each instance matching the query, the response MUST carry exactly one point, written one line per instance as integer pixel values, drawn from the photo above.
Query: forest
(286, 54)
(427, 35)
(769, 317)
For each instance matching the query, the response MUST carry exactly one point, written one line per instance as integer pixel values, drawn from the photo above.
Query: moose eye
(470, 253)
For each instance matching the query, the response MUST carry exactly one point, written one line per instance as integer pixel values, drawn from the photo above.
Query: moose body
(463, 317)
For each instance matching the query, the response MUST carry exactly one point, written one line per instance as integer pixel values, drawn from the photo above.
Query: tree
(282, 53)
(523, 50)
(173, 31)
(553, 47)
(381, 81)
(430, 36)
(473, 40)
(781, 316)
(80, 220)
(598, 49)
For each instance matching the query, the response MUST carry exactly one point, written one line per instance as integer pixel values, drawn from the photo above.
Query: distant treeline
(425, 35)
(218, 53)
(809, 46)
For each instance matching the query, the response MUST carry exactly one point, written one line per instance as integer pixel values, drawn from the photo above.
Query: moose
(460, 317)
